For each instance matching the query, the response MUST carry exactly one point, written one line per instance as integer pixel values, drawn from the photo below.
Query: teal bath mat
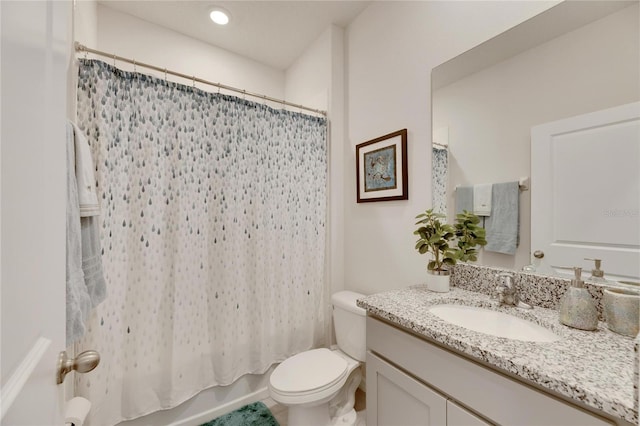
(256, 414)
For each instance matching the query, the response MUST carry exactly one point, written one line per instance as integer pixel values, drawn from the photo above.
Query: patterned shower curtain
(439, 174)
(213, 216)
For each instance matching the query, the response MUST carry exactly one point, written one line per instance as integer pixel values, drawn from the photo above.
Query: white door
(585, 191)
(35, 48)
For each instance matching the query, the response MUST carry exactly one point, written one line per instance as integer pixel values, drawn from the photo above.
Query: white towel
(85, 177)
(78, 299)
(482, 199)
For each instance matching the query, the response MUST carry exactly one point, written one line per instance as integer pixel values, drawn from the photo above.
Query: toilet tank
(349, 323)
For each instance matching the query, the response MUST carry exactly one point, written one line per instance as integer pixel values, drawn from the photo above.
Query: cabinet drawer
(499, 398)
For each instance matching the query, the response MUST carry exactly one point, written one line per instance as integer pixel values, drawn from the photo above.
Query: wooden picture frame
(381, 168)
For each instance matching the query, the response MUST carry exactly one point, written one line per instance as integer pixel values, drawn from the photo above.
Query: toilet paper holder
(83, 363)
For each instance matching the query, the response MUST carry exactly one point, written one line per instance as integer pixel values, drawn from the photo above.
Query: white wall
(308, 79)
(391, 49)
(134, 38)
(85, 23)
(490, 113)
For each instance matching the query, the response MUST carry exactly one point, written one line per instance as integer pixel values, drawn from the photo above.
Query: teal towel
(92, 260)
(86, 286)
(464, 199)
(503, 226)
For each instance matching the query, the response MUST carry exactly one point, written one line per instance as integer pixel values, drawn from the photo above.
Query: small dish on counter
(622, 310)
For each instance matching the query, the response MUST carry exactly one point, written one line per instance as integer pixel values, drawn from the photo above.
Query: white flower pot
(438, 281)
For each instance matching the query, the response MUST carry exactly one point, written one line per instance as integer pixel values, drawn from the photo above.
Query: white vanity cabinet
(411, 381)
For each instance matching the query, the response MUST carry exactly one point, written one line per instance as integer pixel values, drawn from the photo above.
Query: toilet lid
(308, 371)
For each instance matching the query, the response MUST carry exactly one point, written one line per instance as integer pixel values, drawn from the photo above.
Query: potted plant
(447, 244)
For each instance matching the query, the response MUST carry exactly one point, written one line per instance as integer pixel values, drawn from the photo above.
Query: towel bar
(523, 184)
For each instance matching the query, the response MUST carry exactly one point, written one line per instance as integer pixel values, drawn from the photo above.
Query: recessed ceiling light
(219, 16)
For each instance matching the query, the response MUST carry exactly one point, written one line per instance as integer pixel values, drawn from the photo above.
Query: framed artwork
(381, 168)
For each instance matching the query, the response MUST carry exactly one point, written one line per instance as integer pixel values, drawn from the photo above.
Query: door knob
(538, 254)
(83, 363)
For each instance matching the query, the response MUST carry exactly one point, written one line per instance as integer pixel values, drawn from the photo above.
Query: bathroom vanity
(422, 369)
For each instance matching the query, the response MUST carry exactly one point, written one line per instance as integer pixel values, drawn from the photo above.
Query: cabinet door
(458, 416)
(396, 399)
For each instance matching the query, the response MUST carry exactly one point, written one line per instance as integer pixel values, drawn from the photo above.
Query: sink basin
(494, 323)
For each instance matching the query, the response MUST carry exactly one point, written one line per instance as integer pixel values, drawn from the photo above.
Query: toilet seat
(308, 377)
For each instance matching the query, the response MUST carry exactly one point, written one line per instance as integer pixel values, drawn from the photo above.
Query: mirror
(575, 58)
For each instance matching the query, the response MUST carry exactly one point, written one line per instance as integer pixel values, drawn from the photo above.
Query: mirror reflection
(576, 58)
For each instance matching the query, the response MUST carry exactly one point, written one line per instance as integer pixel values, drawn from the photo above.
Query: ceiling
(274, 33)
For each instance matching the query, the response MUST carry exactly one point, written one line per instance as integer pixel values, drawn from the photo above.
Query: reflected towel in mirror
(482, 199)
(503, 226)
(464, 199)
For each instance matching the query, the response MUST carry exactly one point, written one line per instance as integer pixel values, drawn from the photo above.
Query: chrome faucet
(507, 291)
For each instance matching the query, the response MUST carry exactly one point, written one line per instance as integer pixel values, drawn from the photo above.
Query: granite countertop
(593, 367)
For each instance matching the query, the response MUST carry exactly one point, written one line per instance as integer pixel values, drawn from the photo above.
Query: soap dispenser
(577, 308)
(597, 274)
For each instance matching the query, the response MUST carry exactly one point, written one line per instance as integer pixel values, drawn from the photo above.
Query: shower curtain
(213, 214)
(439, 167)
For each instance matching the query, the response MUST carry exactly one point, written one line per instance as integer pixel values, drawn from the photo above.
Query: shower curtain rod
(82, 48)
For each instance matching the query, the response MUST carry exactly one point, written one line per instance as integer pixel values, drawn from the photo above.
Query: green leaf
(434, 239)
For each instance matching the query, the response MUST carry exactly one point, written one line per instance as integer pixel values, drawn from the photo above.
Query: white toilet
(318, 386)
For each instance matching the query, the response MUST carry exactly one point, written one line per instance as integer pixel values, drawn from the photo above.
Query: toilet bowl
(318, 386)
